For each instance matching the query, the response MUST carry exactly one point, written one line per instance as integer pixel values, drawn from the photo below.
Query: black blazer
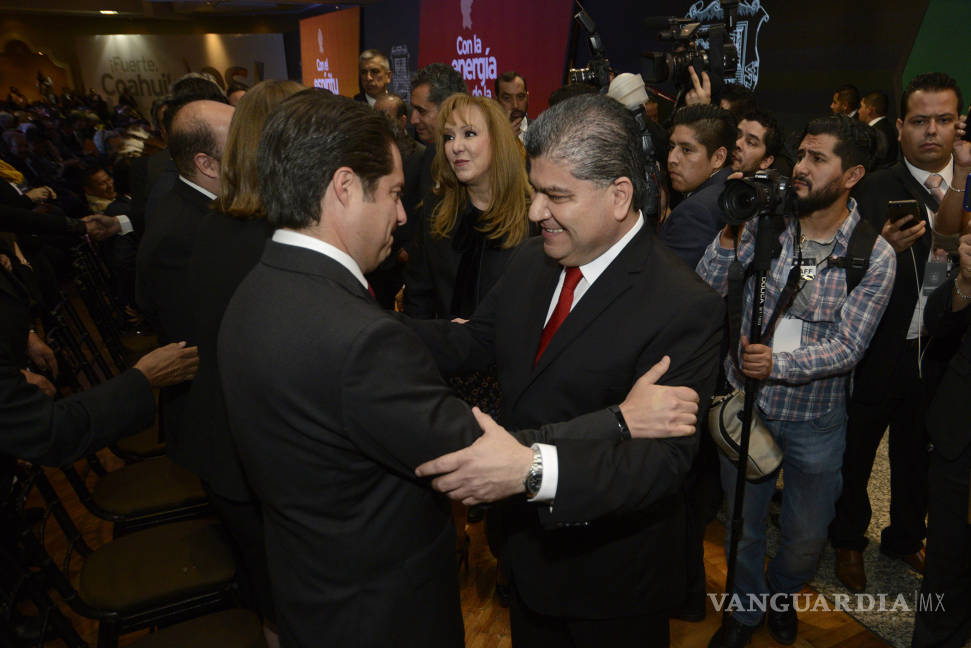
(225, 250)
(696, 221)
(164, 296)
(613, 542)
(888, 145)
(948, 423)
(875, 371)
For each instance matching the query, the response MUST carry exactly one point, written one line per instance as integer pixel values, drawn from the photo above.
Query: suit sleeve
(394, 404)
(419, 297)
(686, 231)
(40, 429)
(600, 477)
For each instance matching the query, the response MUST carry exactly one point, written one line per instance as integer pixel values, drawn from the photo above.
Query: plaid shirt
(808, 382)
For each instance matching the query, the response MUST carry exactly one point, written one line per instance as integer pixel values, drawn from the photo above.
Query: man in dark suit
(580, 313)
(333, 403)
(375, 74)
(196, 141)
(699, 160)
(947, 622)
(873, 112)
(887, 387)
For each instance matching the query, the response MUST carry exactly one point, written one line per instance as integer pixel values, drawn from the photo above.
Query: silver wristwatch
(534, 478)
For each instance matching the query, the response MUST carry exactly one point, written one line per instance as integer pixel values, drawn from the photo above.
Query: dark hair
(741, 100)
(236, 86)
(596, 136)
(189, 88)
(193, 136)
(90, 171)
(508, 77)
(307, 137)
(879, 102)
(713, 126)
(443, 81)
(572, 90)
(773, 137)
(849, 94)
(929, 82)
(855, 143)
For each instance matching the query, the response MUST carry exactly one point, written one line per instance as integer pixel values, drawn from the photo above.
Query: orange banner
(328, 51)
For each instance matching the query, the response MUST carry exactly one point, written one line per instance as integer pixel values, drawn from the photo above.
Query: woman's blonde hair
(239, 194)
(505, 219)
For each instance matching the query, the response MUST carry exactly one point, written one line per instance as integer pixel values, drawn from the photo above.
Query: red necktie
(563, 304)
(371, 290)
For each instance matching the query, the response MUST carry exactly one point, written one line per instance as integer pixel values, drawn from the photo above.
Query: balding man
(196, 141)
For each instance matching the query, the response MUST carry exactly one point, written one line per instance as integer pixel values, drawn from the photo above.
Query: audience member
(803, 365)
(888, 388)
(846, 100)
(757, 144)
(873, 112)
(375, 74)
(235, 91)
(738, 100)
(513, 95)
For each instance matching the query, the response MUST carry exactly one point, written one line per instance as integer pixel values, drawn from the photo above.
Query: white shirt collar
(204, 192)
(370, 100)
(874, 121)
(290, 237)
(595, 268)
(921, 176)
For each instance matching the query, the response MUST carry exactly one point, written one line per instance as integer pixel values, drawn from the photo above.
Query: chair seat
(142, 445)
(157, 566)
(229, 629)
(148, 486)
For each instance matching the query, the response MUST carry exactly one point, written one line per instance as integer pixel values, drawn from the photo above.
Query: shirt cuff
(126, 226)
(551, 473)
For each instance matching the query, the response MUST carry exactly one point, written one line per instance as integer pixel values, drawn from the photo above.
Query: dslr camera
(763, 193)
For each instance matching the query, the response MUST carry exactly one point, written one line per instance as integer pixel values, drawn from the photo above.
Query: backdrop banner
(148, 65)
(329, 49)
(484, 38)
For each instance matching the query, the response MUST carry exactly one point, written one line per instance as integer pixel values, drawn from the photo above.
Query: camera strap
(856, 261)
(738, 275)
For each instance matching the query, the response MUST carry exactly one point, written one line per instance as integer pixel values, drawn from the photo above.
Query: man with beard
(513, 96)
(803, 365)
(759, 141)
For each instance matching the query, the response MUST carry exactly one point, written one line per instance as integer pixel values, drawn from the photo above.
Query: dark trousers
(703, 494)
(948, 573)
(532, 630)
(244, 525)
(903, 411)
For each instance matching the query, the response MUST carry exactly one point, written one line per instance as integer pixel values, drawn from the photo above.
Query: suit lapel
(614, 282)
(293, 258)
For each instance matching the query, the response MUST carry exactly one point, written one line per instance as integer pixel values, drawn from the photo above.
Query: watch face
(533, 482)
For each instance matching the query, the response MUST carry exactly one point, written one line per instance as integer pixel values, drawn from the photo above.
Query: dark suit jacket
(875, 371)
(333, 404)
(225, 250)
(948, 423)
(696, 221)
(164, 296)
(612, 543)
(144, 174)
(888, 147)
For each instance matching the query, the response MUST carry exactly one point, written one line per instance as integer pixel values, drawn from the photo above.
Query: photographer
(699, 161)
(818, 340)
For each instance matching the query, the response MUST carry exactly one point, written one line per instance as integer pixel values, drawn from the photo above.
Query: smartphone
(903, 212)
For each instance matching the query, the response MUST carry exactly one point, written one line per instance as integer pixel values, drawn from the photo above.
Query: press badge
(807, 270)
(788, 334)
(935, 272)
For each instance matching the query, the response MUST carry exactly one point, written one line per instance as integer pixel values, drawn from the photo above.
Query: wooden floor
(486, 621)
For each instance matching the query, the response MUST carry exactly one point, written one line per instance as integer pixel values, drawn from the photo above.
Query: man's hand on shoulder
(654, 411)
(170, 364)
(491, 469)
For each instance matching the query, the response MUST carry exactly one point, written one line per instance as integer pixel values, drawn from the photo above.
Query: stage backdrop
(329, 49)
(484, 38)
(148, 65)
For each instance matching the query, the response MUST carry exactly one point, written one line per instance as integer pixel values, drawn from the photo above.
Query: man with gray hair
(375, 73)
(581, 313)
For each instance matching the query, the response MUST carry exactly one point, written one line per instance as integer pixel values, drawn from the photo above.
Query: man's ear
(719, 157)
(622, 197)
(206, 165)
(343, 183)
(900, 128)
(766, 162)
(853, 175)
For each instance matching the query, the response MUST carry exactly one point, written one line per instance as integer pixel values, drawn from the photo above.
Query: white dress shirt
(290, 237)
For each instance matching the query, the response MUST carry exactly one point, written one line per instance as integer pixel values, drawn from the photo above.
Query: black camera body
(763, 193)
(719, 59)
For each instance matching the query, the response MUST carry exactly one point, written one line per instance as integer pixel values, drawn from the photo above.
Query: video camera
(719, 59)
(763, 193)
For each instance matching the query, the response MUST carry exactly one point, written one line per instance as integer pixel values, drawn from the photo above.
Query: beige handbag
(725, 425)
